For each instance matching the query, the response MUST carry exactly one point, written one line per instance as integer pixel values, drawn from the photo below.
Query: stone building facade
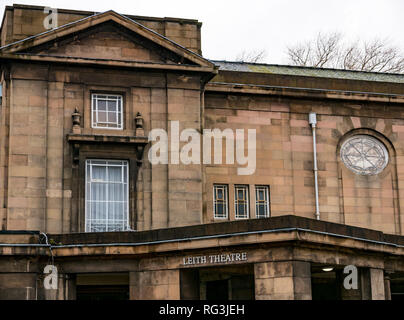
(77, 189)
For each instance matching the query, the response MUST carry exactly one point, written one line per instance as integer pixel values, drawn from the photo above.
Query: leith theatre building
(132, 167)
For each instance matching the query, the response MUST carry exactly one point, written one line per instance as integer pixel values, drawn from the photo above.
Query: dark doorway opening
(218, 283)
(217, 290)
(102, 286)
(324, 286)
(397, 286)
(97, 293)
(327, 283)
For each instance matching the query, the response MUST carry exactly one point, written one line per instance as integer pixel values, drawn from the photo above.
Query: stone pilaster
(377, 284)
(282, 280)
(154, 285)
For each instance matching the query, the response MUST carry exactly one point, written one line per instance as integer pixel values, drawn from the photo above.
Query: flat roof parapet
(285, 223)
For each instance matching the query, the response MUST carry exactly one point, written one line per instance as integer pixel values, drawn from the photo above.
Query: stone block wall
(22, 21)
(155, 285)
(39, 190)
(284, 152)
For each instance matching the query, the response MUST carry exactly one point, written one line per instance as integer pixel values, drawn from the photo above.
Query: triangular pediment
(108, 41)
(107, 37)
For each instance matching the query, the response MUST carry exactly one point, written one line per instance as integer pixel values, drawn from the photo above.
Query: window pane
(98, 191)
(99, 173)
(115, 192)
(220, 210)
(101, 105)
(112, 106)
(241, 202)
(261, 210)
(112, 117)
(125, 174)
(220, 201)
(262, 202)
(115, 174)
(102, 116)
(102, 162)
(260, 195)
(241, 210)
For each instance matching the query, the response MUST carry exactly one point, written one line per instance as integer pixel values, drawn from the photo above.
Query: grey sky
(232, 26)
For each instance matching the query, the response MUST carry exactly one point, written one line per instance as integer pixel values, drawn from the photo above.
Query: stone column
(154, 285)
(377, 284)
(387, 288)
(282, 280)
(189, 279)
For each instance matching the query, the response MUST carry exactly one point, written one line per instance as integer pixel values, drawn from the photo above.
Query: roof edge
(304, 67)
(191, 54)
(229, 227)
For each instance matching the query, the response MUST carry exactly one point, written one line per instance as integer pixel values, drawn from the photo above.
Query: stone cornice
(308, 93)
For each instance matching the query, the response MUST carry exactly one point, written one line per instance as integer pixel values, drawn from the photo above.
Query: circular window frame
(377, 168)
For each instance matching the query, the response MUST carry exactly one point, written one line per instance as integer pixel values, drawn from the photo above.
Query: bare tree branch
(254, 56)
(328, 50)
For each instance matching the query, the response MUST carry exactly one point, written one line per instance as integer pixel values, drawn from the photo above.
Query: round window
(364, 155)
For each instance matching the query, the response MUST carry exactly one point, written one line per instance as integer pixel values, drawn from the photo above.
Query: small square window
(220, 201)
(106, 111)
(241, 202)
(262, 201)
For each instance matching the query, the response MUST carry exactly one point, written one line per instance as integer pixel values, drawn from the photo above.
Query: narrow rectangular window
(241, 202)
(107, 111)
(107, 205)
(262, 201)
(220, 201)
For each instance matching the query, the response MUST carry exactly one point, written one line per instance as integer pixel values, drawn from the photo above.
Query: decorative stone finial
(76, 118)
(139, 130)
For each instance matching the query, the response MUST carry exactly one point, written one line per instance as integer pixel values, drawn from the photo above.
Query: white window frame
(90, 163)
(225, 201)
(237, 201)
(94, 109)
(265, 201)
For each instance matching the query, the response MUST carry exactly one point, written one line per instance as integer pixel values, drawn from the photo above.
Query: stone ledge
(222, 228)
(93, 138)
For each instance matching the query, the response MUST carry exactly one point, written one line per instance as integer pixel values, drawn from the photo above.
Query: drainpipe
(313, 122)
